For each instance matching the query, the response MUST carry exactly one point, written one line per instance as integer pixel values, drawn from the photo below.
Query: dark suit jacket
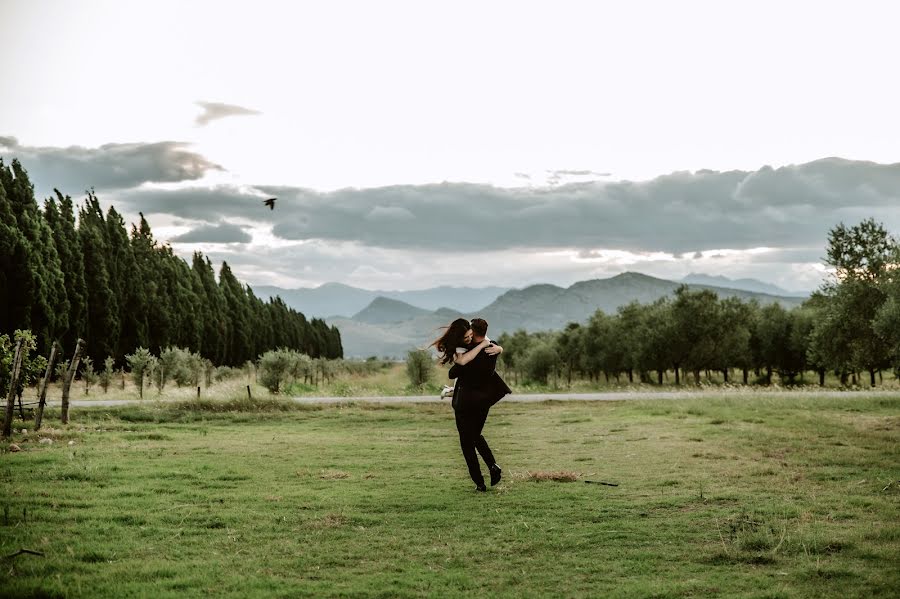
(479, 383)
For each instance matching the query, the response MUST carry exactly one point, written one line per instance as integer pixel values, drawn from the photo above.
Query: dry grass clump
(330, 521)
(560, 476)
(333, 474)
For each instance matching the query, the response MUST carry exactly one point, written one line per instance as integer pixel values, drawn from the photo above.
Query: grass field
(742, 497)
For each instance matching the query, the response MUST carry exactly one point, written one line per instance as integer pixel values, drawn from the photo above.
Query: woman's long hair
(453, 337)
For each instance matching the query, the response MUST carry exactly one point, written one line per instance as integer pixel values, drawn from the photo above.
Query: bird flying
(270, 203)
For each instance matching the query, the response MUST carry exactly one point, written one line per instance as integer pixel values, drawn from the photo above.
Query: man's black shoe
(481, 488)
(496, 473)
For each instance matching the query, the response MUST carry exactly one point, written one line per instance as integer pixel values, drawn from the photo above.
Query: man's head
(479, 329)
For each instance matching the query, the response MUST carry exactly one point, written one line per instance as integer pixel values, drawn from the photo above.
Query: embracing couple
(478, 387)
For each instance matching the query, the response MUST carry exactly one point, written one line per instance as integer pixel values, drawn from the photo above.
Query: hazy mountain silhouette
(337, 299)
(745, 284)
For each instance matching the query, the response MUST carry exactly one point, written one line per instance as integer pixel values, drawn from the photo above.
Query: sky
(415, 144)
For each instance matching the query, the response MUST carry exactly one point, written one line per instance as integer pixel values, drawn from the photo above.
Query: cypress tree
(42, 293)
(214, 337)
(201, 308)
(103, 328)
(128, 287)
(238, 315)
(179, 294)
(61, 219)
(336, 348)
(15, 276)
(261, 325)
(157, 306)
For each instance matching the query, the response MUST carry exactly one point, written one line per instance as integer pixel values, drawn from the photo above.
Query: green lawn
(739, 497)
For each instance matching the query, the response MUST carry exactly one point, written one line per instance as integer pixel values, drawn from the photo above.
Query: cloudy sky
(413, 144)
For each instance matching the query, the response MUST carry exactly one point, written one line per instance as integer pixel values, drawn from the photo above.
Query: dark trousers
(470, 419)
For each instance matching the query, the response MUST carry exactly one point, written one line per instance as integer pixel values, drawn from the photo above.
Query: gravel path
(606, 396)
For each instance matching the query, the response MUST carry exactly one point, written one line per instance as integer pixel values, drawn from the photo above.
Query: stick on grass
(24, 551)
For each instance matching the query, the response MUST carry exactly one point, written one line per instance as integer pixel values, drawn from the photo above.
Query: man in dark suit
(477, 389)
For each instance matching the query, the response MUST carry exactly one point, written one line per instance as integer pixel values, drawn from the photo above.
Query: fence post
(42, 395)
(11, 396)
(67, 380)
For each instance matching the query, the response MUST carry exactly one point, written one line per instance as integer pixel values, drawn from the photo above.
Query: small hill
(383, 310)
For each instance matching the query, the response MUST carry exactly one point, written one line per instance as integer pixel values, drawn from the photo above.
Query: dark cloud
(789, 207)
(110, 166)
(208, 204)
(216, 110)
(222, 233)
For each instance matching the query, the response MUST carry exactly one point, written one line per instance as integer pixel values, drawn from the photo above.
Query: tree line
(850, 326)
(90, 278)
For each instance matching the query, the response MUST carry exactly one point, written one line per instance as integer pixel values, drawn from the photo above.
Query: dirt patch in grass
(560, 476)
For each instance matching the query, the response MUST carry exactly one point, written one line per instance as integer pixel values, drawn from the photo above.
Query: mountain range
(339, 300)
(390, 327)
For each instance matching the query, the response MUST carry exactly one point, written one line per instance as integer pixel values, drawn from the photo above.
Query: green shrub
(419, 364)
(539, 361)
(142, 363)
(280, 366)
(88, 375)
(107, 373)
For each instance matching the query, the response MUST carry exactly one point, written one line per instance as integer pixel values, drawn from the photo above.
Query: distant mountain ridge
(744, 284)
(376, 330)
(337, 299)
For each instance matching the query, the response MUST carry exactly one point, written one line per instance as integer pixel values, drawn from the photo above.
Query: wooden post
(248, 393)
(21, 407)
(42, 395)
(67, 380)
(13, 382)
(18, 360)
(198, 391)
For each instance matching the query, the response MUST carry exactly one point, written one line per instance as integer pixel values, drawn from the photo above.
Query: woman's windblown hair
(453, 337)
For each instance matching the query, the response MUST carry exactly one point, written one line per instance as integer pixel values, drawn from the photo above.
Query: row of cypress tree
(65, 278)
